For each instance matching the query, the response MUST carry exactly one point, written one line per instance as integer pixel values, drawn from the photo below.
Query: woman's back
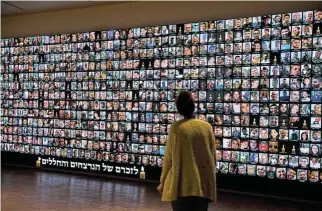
(188, 176)
(192, 168)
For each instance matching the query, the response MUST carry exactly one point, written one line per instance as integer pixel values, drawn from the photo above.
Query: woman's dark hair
(185, 104)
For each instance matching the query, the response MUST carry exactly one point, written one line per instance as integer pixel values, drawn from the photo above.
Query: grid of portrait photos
(110, 95)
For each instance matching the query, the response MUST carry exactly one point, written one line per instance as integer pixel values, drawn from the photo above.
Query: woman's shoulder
(201, 122)
(190, 123)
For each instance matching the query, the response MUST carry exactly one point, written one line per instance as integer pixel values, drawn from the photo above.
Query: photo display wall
(108, 96)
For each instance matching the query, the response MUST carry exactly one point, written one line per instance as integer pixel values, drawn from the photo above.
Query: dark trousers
(190, 203)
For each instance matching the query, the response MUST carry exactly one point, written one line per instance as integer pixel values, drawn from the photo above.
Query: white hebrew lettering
(136, 170)
(92, 166)
(44, 161)
(97, 167)
(104, 167)
(128, 170)
(50, 162)
(65, 163)
(84, 166)
(123, 169)
(118, 169)
(110, 168)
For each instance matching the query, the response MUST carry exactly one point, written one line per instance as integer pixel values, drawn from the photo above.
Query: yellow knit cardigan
(189, 161)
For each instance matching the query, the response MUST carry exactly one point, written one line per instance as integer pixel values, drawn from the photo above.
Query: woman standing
(188, 177)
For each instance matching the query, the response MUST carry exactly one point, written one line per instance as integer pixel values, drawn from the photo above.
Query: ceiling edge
(106, 3)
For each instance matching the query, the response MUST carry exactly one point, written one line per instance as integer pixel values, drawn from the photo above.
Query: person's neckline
(189, 118)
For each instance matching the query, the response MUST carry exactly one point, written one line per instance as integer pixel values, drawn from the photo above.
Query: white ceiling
(23, 7)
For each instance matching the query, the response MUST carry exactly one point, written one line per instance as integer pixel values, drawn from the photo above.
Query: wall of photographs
(109, 95)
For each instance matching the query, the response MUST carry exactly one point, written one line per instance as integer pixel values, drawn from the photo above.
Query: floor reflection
(31, 190)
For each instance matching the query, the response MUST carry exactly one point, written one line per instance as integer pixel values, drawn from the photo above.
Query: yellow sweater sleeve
(167, 160)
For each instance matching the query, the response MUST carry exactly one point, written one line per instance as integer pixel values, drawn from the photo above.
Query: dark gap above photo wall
(118, 16)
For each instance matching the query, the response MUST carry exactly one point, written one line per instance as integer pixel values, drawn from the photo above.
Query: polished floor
(32, 190)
